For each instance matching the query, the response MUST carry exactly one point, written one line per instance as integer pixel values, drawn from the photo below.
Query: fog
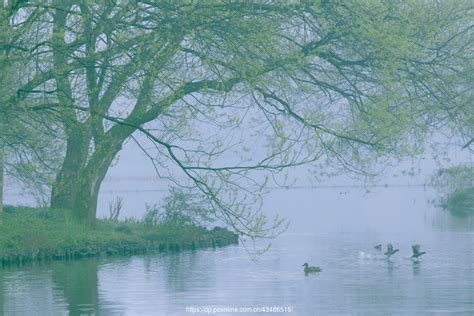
(392, 201)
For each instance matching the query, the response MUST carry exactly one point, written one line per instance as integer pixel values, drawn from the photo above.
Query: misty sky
(324, 209)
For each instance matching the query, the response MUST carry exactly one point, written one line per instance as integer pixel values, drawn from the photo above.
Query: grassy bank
(30, 234)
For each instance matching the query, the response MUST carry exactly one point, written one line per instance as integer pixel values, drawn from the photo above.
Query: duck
(308, 269)
(416, 251)
(390, 251)
(378, 247)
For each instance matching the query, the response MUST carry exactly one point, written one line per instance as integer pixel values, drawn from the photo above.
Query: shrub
(180, 208)
(456, 188)
(461, 203)
(115, 208)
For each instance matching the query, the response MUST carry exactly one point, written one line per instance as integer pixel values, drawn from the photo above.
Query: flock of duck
(390, 252)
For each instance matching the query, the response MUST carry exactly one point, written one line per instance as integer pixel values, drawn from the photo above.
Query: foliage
(461, 203)
(152, 215)
(456, 187)
(457, 178)
(186, 207)
(180, 208)
(229, 94)
(32, 142)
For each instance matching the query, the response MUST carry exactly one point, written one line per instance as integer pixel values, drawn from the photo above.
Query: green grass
(29, 234)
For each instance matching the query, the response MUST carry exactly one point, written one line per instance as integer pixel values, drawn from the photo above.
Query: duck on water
(309, 269)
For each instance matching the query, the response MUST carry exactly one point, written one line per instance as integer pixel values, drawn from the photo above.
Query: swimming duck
(378, 247)
(416, 251)
(390, 251)
(308, 269)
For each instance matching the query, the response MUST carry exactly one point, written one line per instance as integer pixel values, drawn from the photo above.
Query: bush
(449, 180)
(456, 188)
(180, 208)
(152, 215)
(461, 203)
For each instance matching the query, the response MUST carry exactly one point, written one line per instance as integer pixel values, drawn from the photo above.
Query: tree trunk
(78, 182)
(87, 188)
(4, 67)
(85, 201)
(1, 177)
(65, 187)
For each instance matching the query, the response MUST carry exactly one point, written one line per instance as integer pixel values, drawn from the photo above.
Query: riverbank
(30, 234)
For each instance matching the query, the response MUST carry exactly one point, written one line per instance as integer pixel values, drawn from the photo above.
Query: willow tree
(232, 93)
(29, 143)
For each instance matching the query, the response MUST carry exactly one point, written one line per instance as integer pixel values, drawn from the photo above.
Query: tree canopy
(230, 93)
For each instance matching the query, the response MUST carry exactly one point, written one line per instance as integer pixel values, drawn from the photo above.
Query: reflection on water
(416, 267)
(355, 278)
(78, 283)
(445, 220)
(165, 284)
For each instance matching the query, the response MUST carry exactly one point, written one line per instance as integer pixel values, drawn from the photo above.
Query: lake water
(339, 237)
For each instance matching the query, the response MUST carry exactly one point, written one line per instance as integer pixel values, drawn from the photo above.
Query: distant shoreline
(29, 235)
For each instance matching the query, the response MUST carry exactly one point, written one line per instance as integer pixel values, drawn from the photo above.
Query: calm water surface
(356, 279)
